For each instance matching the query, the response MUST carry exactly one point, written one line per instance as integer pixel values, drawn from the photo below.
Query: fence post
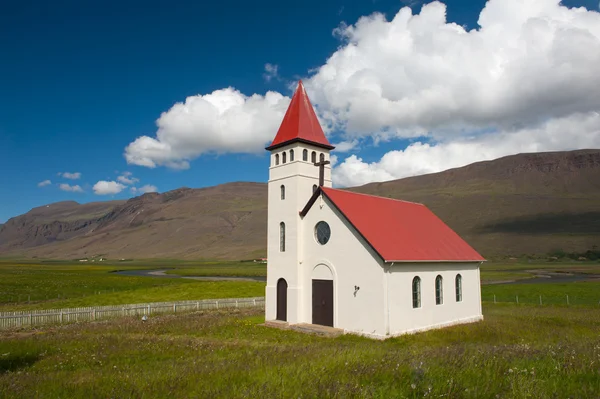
(61, 317)
(254, 300)
(217, 302)
(517, 299)
(94, 314)
(148, 310)
(540, 299)
(197, 305)
(567, 299)
(236, 303)
(494, 298)
(30, 320)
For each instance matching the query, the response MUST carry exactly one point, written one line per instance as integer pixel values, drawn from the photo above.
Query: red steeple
(300, 123)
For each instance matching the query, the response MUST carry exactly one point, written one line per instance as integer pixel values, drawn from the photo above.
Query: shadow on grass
(10, 362)
(578, 223)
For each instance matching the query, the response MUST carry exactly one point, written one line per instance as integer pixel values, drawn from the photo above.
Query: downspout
(387, 299)
(479, 286)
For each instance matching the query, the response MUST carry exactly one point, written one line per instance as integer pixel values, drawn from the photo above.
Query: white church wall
(352, 263)
(298, 177)
(404, 318)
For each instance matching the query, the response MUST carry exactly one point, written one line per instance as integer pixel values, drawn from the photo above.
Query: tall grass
(517, 352)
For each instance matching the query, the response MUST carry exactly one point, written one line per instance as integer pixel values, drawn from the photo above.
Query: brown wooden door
(322, 299)
(282, 300)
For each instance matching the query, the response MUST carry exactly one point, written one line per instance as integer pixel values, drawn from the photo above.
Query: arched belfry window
(282, 237)
(439, 290)
(276, 159)
(416, 292)
(458, 286)
(282, 192)
(313, 157)
(305, 155)
(322, 157)
(283, 157)
(291, 155)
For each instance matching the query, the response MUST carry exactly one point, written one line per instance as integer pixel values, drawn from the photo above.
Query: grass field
(217, 354)
(60, 285)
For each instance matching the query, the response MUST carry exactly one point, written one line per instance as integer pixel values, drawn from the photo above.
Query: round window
(322, 233)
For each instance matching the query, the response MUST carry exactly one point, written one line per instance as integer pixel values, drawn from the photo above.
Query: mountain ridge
(529, 203)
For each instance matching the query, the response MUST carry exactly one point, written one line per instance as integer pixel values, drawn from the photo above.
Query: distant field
(516, 352)
(579, 293)
(229, 269)
(60, 285)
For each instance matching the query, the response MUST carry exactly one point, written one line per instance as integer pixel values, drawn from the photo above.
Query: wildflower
(510, 370)
(413, 386)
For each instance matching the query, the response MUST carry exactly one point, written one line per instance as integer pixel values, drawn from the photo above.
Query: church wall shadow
(564, 223)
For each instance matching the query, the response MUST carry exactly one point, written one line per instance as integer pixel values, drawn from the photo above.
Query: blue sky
(80, 81)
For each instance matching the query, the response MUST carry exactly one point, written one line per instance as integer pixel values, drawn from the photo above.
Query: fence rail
(57, 316)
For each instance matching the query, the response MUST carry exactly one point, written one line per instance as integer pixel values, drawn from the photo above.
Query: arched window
(458, 286)
(282, 192)
(305, 155)
(291, 155)
(439, 290)
(276, 159)
(314, 188)
(282, 237)
(322, 157)
(283, 157)
(313, 157)
(416, 292)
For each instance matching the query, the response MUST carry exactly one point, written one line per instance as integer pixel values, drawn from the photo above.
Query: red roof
(399, 230)
(300, 123)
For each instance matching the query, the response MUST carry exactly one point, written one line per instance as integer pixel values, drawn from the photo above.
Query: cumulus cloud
(271, 72)
(72, 176)
(148, 188)
(44, 183)
(420, 158)
(67, 187)
(107, 187)
(523, 80)
(223, 121)
(127, 178)
(419, 75)
(346, 146)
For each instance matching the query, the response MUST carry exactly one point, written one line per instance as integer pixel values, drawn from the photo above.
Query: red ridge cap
(300, 123)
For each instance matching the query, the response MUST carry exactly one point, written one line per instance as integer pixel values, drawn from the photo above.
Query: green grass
(60, 285)
(517, 352)
(237, 269)
(580, 293)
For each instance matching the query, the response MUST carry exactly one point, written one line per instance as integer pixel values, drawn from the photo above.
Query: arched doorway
(282, 299)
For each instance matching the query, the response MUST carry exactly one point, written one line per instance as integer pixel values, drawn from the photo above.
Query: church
(367, 265)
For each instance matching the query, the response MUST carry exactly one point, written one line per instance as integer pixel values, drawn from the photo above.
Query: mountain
(520, 204)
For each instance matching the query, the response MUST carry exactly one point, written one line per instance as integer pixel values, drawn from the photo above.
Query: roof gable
(399, 231)
(300, 123)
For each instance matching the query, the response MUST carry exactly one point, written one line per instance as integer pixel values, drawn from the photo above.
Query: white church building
(368, 265)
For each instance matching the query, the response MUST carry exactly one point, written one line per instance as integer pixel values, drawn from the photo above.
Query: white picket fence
(57, 316)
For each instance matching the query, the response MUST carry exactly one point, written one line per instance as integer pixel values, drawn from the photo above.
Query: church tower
(293, 177)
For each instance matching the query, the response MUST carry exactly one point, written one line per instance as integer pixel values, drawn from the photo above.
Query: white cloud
(271, 72)
(127, 178)
(346, 146)
(72, 176)
(419, 158)
(44, 183)
(418, 75)
(528, 71)
(148, 188)
(67, 187)
(223, 121)
(108, 187)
